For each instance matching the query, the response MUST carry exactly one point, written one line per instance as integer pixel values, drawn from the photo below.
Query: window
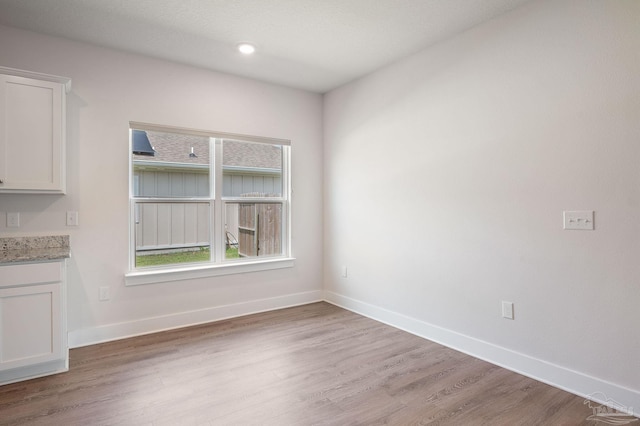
(205, 201)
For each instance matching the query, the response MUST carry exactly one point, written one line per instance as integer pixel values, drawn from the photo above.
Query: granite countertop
(34, 249)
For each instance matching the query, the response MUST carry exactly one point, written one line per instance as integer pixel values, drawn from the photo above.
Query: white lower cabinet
(33, 331)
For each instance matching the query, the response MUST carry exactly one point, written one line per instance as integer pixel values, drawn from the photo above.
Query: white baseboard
(110, 332)
(583, 385)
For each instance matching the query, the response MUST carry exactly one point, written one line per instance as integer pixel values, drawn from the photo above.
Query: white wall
(111, 88)
(446, 175)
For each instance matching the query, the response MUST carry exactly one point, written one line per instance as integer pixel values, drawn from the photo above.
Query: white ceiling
(315, 45)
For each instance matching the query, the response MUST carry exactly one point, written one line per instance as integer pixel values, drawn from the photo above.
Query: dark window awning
(141, 144)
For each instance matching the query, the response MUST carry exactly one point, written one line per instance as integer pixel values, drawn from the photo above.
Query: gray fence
(181, 225)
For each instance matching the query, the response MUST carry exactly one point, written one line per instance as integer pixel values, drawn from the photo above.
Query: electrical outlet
(104, 294)
(13, 220)
(507, 310)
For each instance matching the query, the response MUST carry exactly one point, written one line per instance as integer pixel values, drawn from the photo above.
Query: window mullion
(217, 226)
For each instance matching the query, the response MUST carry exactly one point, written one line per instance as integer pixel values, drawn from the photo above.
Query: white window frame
(218, 265)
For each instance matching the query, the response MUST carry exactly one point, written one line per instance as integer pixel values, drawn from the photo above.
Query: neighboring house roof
(177, 148)
(247, 154)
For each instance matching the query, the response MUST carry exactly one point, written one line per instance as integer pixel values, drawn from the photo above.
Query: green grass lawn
(201, 255)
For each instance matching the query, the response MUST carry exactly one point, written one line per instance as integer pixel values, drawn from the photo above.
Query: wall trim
(123, 330)
(575, 382)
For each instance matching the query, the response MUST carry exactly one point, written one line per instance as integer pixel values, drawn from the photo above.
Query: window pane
(169, 233)
(251, 169)
(173, 175)
(253, 229)
(176, 165)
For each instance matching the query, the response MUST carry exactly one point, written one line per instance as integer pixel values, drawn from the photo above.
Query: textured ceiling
(315, 45)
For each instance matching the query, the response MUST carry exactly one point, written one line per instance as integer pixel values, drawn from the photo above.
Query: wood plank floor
(310, 365)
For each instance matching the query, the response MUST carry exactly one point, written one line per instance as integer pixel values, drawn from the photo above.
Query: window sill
(154, 276)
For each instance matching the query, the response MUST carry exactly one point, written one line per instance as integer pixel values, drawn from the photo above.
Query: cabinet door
(31, 135)
(30, 329)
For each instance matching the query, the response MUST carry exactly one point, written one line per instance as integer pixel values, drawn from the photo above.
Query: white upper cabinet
(32, 132)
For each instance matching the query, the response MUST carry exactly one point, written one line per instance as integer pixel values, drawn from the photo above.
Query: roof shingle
(177, 148)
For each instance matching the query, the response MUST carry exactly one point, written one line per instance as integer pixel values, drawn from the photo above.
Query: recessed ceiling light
(246, 48)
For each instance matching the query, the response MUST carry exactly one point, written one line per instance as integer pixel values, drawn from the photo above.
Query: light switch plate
(72, 218)
(507, 309)
(578, 220)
